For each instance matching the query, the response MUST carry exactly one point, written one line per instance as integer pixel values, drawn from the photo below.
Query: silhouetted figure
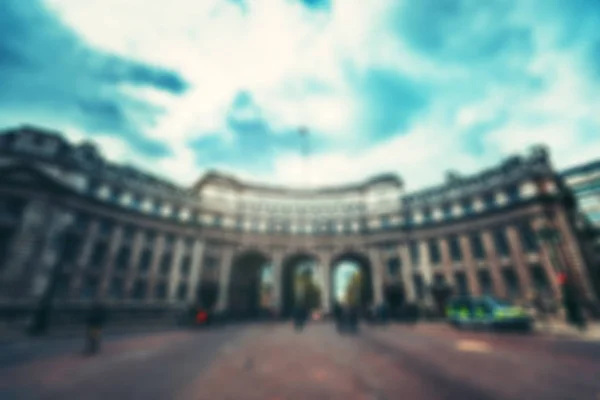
(95, 322)
(384, 313)
(338, 316)
(300, 316)
(353, 319)
(572, 306)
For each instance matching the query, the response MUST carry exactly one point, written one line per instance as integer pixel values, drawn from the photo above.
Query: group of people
(346, 318)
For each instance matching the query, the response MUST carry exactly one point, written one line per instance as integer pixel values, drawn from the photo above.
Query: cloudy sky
(413, 87)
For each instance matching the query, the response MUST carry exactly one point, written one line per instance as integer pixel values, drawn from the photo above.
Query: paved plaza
(275, 362)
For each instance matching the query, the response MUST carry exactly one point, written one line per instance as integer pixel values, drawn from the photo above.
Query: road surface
(275, 362)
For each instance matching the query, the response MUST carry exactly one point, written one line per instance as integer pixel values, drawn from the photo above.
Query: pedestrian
(573, 306)
(95, 322)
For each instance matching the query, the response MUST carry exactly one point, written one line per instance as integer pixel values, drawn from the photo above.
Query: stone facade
(112, 231)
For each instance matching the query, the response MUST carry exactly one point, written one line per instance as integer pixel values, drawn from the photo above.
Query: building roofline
(577, 169)
(243, 185)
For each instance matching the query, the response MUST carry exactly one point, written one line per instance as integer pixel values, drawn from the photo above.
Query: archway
(301, 272)
(249, 287)
(344, 269)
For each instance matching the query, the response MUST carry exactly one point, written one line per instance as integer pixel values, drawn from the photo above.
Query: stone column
(175, 268)
(224, 278)
(547, 263)
(277, 268)
(157, 254)
(447, 261)
(20, 256)
(325, 263)
(407, 272)
(45, 266)
(494, 264)
(134, 260)
(107, 269)
(196, 269)
(82, 261)
(426, 270)
(470, 267)
(519, 261)
(574, 258)
(377, 277)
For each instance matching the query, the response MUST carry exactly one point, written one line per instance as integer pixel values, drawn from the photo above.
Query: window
(512, 193)
(122, 260)
(455, 251)
(71, 247)
(165, 263)
(408, 219)
(105, 226)
(467, 206)
(116, 288)
(182, 291)
(115, 194)
(145, 261)
(439, 279)
(82, 221)
(210, 263)
(169, 240)
(128, 233)
(385, 222)
(427, 215)
(528, 237)
(98, 254)
(489, 200)
(477, 247)
(539, 278)
(90, 286)
(150, 236)
(434, 251)
(419, 286)
(62, 285)
(511, 282)
(485, 281)
(414, 253)
(394, 266)
(185, 265)
(139, 289)
(136, 202)
(461, 283)
(161, 291)
(447, 210)
(501, 242)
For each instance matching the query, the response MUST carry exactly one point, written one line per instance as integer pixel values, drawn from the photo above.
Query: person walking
(95, 322)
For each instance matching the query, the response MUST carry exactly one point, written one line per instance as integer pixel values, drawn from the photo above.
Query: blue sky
(413, 87)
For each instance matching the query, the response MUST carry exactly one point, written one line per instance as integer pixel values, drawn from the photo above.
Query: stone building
(584, 181)
(77, 226)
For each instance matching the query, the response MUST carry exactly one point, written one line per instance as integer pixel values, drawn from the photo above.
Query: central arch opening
(351, 281)
(302, 284)
(250, 288)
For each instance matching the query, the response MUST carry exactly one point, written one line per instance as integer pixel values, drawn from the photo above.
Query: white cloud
(275, 50)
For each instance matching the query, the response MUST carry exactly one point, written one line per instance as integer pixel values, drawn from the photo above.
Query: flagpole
(305, 150)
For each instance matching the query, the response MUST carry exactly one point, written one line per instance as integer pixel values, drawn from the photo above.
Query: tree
(353, 290)
(307, 292)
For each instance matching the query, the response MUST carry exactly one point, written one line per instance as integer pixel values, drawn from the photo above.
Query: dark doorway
(246, 285)
(352, 262)
(305, 268)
